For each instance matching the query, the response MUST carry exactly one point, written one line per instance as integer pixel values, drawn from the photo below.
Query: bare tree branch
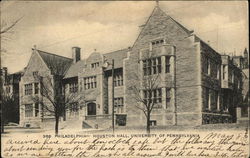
(145, 85)
(51, 89)
(7, 28)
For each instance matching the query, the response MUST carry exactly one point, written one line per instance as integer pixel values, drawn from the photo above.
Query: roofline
(209, 46)
(144, 27)
(178, 24)
(239, 56)
(52, 54)
(116, 51)
(34, 51)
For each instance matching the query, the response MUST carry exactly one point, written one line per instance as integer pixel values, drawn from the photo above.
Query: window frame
(37, 109)
(118, 79)
(73, 87)
(74, 109)
(167, 64)
(158, 42)
(90, 82)
(151, 66)
(28, 89)
(119, 105)
(36, 87)
(28, 112)
(154, 95)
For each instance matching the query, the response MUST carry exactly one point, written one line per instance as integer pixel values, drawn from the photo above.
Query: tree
(145, 91)
(9, 109)
(53, 99)
(5, 28)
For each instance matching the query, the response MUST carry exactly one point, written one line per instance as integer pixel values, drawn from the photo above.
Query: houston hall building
(197, 84)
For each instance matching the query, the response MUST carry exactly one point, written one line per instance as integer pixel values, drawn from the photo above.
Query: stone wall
(161, 26)
(35, 64)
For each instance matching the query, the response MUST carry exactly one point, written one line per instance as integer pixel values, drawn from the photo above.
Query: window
(244, 111)
(95, 65)
(207, 66)
(120, 120)
(73, 87)
(118, 79)
(153, 96)
(167, 64)
(36, 109)
(168, 97)
(159, 64)
(224, 72)
(152, 122)
(28, 89)
(28, 110)
(90, 82)
(119, 104)
(35, 73)
(216, 100)
(207, 102)
(36, 88)
(74, 109)
(152, 66)
(218, 71)
(157, 43)
(226, 102)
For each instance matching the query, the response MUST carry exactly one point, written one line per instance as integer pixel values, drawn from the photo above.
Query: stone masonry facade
(196, 84)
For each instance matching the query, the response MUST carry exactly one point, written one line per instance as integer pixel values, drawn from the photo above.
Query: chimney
(76, 54)
(5, 73)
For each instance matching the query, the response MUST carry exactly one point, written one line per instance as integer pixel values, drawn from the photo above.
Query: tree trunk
(2, 124)
(56, 124)
(148, 123)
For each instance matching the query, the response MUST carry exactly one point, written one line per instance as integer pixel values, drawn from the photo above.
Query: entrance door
(91, 109)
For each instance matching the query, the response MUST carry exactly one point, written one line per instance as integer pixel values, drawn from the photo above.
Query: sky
(107, 26)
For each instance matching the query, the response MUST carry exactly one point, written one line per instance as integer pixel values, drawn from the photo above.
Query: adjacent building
(196, 85)
(10, 94)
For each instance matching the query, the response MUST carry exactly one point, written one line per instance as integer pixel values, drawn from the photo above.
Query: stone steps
(97, 123)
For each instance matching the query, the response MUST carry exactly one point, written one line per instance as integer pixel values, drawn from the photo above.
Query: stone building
(11, 90)
(44, 64)
(196, 84)
(243, 109)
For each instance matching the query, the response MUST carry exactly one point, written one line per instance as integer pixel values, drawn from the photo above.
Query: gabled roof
(180, 25)
(78, 67)
(157, 11)
(75, 68)
(57, 64)
(118, 57)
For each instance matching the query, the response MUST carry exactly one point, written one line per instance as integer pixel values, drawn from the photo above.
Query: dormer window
(95, 65)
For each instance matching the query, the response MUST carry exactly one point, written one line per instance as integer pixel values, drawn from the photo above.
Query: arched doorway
(91, 109)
